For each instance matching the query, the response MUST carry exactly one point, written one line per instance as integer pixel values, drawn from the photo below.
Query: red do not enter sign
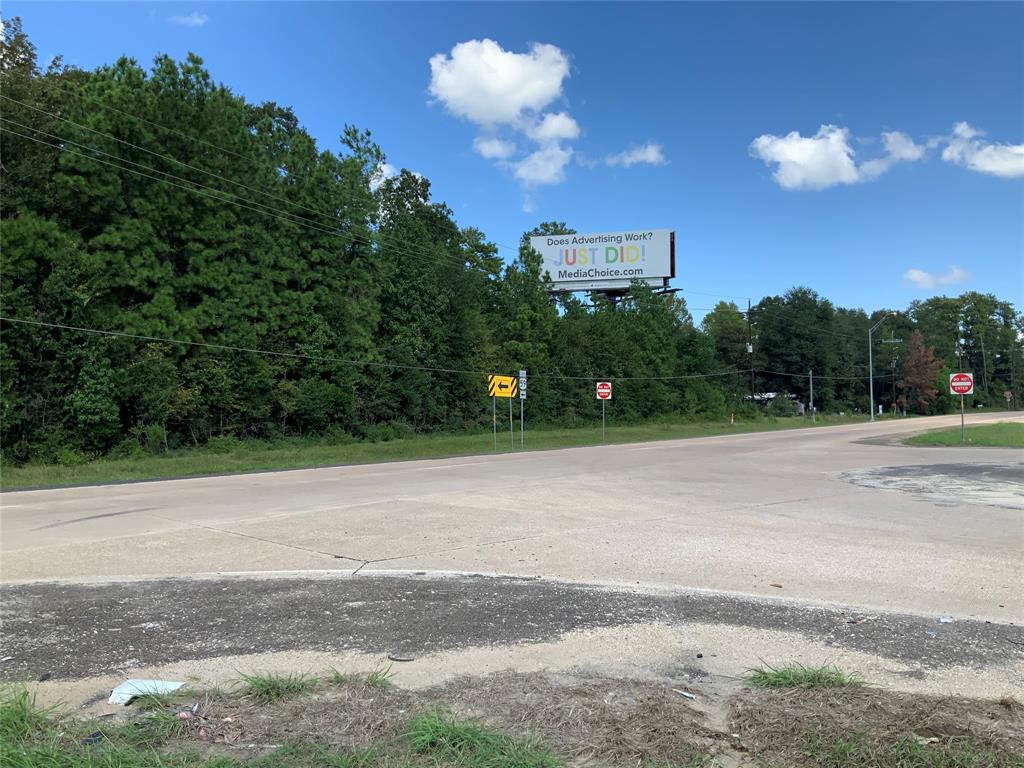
(603, 390)
(961, 383)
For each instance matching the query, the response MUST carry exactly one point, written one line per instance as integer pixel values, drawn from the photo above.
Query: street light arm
(884, 318)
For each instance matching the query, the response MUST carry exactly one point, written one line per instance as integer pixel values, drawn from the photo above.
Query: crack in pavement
(267, 541)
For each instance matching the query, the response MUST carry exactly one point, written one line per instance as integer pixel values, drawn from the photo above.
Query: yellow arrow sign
(502, 386)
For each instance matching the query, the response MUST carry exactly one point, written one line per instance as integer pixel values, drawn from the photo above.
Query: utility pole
(871, 361)
(984, 364)
(750, 354)
(811, 373)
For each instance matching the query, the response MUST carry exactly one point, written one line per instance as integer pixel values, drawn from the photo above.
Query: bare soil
(609, 721)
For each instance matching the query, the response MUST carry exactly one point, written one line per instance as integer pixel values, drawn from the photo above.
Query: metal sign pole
(494, 420)
(521, 422)
(511, 432)
(602, 421)
(962, 438)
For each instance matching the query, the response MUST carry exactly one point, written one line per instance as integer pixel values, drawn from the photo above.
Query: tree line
(248, 284)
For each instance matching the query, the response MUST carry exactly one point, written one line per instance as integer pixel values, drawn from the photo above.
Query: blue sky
(873, 151)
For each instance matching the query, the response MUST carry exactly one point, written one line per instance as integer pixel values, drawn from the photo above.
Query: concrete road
(836, 514)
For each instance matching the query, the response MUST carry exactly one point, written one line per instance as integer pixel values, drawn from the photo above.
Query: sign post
(961, 384)
(603, 392)
(522, 401)
(499, 385)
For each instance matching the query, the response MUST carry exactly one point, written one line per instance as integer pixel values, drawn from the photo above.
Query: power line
(220, 195)
(389, 236)
(332, 217)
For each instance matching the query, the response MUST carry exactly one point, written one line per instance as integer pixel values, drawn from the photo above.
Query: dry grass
(617, 721)
(595, 722)
(780, 722)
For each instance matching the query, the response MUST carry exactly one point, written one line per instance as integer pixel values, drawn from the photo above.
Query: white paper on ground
(130, 689)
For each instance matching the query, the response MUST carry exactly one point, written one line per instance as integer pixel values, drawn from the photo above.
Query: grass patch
(313, 755)
(859, 751)
(311, 452)
(269, 688)
(20, 718)
(445, 739)
(336, 677)
(799, 676)
(1002, 435)
(381, 678)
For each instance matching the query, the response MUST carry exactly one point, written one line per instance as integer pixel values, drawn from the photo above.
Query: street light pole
(871, 361)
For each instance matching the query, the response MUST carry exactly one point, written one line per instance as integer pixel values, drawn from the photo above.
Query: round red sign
(961, 383)
(604, 390)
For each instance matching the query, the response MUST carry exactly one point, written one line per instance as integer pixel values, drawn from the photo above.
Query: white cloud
(529, 206)
(648, 154)
(827, 159)
(814, 162)
(899, 148)
(923, 279)
(493, 148)
(194, 19)
(505, 94)
(484, 83)
(554, 127)
(545, 166)
(965, 148)
(384, 172)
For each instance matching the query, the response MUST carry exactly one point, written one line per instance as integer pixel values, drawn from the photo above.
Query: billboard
(607, 260)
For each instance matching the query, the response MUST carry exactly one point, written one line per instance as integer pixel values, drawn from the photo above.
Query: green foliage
(213, 220)
(20, 718)
(799, 676)
(475, 746)
(272, 687)
(1008, 435)
(381, 678)
(861, 751)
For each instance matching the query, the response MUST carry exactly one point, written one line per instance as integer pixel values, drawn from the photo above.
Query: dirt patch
(612, 721)
(779, 723)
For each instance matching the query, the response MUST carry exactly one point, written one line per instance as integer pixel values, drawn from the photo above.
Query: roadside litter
(945, 620)
(131, 689)
(684, 694)
(93, 738)
(399, 657)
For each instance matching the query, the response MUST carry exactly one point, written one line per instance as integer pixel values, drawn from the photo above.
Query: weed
(381, 678)
(155, 701)
(475, 746)
(337, 677)
(859, 751)
(314, 755)
(799, 676)
(268, 688)
(20, 718)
